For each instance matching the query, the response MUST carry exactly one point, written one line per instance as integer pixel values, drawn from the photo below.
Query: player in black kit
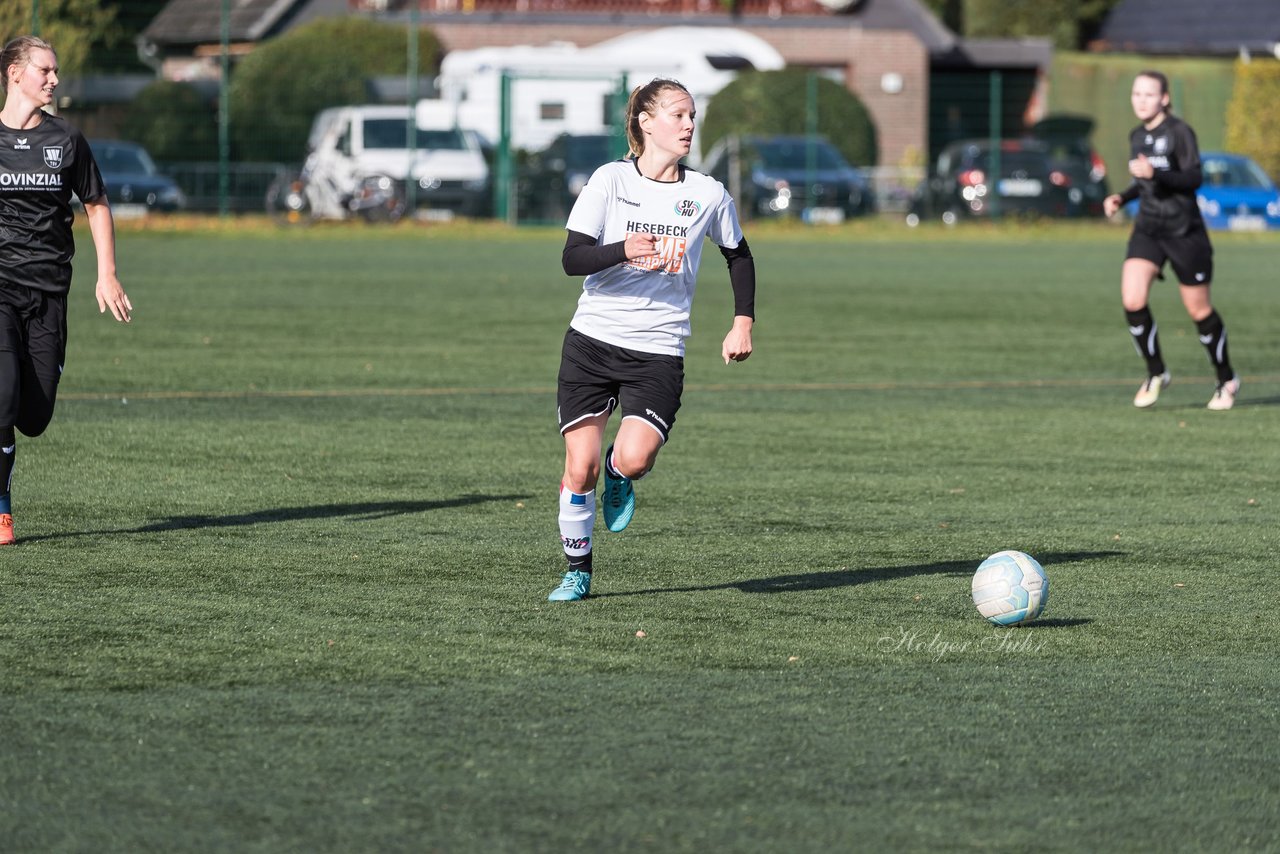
(1165, 165)
(43, 160)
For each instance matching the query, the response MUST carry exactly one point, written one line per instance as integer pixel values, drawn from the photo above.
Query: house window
(551, 111)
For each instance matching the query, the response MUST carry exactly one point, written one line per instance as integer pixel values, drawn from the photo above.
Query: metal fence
(247, 184)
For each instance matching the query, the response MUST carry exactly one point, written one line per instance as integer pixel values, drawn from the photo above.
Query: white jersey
(644, 304)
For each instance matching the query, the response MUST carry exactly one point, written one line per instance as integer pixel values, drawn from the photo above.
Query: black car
(973, 179)
(551, 179)
(805, 176)
(1071, 153)
(132, 180)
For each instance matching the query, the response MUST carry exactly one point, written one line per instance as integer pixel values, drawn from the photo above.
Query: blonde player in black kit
(42, 161)
(1165, 165)
(636, 232)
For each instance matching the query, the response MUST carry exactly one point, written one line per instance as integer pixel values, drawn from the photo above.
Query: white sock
(577, 518)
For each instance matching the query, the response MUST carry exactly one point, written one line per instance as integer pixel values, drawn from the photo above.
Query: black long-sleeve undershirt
(582, 256)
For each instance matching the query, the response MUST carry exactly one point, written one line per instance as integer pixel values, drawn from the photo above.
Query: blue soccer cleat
(618, 498)
(574, 586)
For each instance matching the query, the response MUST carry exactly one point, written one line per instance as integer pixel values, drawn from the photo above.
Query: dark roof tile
(1192, 26)
(189, 22)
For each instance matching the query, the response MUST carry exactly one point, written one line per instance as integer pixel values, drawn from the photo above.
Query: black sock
(1213, 335)
(1142, 326)
(608, 464)
(8, 449)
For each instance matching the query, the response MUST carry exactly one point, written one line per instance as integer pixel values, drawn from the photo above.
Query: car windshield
(123, 160)
(390, 133)
(1067, 152)
(793, 154)
(586, 150)
(1032, 162)
(1234, 173)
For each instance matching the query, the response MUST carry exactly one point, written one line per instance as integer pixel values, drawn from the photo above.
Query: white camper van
(561, 88)
(349, 144)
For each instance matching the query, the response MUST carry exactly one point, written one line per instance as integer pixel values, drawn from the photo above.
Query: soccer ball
(1010, 588)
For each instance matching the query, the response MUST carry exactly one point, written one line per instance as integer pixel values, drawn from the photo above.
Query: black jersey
(1167, 200)
(39, 170)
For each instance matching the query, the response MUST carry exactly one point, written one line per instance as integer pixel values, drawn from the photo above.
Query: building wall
(862, 57)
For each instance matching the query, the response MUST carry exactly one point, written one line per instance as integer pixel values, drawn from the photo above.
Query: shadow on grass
(1062, 623)
(1241, 403)
(358, 511)
(847, 577)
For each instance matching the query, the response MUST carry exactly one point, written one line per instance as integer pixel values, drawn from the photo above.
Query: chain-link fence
(243, 126)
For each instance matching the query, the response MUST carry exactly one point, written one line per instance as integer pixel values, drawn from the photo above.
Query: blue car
(1236, 195)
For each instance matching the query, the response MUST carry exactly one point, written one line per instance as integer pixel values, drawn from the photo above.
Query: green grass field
(286, 547)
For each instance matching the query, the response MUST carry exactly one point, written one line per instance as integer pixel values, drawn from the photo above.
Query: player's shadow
(850, 577)
(1257, 401)
(363, 511)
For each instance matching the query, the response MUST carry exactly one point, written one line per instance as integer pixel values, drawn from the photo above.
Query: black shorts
(33, 347)
(594, 376)
(1190, 255)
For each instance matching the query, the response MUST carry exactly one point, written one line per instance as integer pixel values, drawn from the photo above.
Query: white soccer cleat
(1224, 396)
(1149, 392)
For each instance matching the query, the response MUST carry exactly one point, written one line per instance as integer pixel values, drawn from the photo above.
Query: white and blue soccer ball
(1010, 588)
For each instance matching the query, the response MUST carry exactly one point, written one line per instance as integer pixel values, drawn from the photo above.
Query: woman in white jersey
(636, 232)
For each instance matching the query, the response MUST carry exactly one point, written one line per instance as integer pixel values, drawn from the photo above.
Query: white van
(445, 163)
(561, 88)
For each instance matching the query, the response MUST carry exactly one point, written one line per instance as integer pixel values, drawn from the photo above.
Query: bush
(1253, 114)
(1056, 20)
(277, 89)
(776, 102)
(173, 121)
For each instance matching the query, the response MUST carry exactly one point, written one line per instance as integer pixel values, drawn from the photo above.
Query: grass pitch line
(978, 385)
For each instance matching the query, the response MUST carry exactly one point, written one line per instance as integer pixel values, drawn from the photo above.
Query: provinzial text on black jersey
(24, 180)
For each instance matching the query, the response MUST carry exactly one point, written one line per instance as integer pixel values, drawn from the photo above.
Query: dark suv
(772, 176)
(1071, 153)
(551, 179)
(970, 179)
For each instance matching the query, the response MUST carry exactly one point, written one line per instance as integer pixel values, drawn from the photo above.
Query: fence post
(620, 147)
(810, 132)
(502, 182)
(411, 126)
(224, 115)
(996, 111)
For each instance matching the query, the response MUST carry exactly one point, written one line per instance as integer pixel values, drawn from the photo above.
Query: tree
(1253, 119)
(1052, 19)
(276, 90)
(949, 12)
(114, 50)
(71, 26)
(1070, 24)
(173, 121)
(776, 102)
(1090, 18)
